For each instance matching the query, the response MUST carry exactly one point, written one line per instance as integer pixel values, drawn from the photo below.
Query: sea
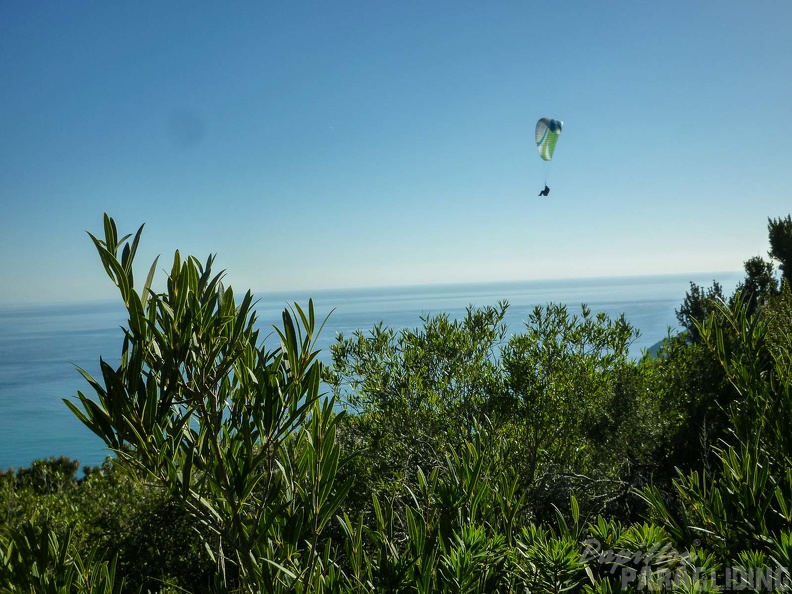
(42, 346)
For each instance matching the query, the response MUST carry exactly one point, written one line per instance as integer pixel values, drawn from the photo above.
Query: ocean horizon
(41, 345)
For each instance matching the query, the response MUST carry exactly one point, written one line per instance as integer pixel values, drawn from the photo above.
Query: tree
(417, 394)
(780, 232)
(571, 394)
(697, 305)
(760, 284)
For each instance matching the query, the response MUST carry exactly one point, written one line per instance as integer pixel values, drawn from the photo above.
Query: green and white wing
(547, 133)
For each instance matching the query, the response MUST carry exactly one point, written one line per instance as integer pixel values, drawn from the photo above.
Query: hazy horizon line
(391, 287)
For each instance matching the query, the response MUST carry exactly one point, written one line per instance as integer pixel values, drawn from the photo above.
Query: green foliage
(416, 395)
(50, 475)
(549, 563)
(462, 533)
(780, 235)
(760, 374)
(465, 466)
(697, 305)
(759, 291)
(778, 313)
(692, 394)
(152, 538)
(35, 558)
(570, 390)
(738, 508)
(561, 391)
(745, 504)
(235, 433)
(759, 286)
(474, 562)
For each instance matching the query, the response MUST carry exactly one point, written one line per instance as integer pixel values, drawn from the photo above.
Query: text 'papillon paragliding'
(547, 133)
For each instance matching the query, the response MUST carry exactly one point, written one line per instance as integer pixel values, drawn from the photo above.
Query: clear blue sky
(366, 143)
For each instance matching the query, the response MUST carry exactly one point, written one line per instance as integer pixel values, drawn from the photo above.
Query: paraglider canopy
(547, 132)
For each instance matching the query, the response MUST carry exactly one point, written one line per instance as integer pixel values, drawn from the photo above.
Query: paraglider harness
(545, 192)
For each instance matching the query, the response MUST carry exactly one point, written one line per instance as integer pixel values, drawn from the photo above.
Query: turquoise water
(41, 345)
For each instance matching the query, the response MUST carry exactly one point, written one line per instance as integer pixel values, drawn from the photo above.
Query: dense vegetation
(451, 457)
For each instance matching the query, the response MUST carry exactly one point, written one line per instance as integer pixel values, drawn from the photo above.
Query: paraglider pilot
(545, 192)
